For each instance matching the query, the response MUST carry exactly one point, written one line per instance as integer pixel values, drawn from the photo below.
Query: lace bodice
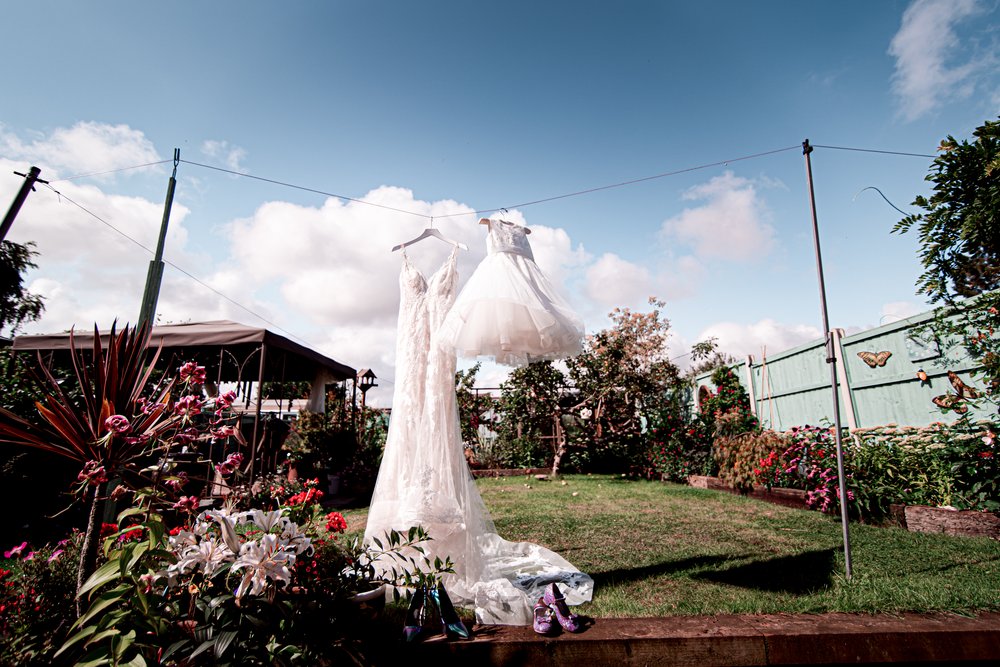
(507, 237)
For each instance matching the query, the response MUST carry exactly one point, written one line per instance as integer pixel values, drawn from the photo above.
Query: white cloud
(612, 281)
(86, 147)
(932, 63)
(231, 156)
(741, 340)
(731, 224)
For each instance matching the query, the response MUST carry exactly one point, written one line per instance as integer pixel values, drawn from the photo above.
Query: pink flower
(223, 432)
(16, 551)
(55, 555)
(193, 373)
(225, 400)
(92, 473)
(188, 406)
(118, 424)
(186, 504)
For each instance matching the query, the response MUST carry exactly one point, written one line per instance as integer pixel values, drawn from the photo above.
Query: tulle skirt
(508, 310)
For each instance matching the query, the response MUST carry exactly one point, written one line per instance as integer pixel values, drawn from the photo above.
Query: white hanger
(430, 231)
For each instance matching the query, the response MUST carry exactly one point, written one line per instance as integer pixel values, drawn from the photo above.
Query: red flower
(335, 522)
(985, 455)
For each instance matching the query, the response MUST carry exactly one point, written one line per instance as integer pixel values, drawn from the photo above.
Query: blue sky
(446, 108)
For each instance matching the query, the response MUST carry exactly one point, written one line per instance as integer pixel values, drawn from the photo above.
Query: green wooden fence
(793, 388)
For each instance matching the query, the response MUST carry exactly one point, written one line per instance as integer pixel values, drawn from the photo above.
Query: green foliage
(528, 404)
(622, 378)
(959, 227)
(738, 456)
(471, 405)
(17, 304)
(959, 233)
(728, 408)
(36, 601)
(680, 446)
(954, 465)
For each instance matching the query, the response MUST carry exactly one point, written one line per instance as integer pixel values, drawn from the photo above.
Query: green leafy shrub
(679, 448)
(954, 465)
(36, 600)
(739, 456)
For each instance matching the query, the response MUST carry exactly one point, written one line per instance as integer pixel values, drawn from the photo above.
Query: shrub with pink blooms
(36, 600)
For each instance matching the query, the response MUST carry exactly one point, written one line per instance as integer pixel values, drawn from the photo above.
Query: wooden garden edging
(915, 518)
(795, 498)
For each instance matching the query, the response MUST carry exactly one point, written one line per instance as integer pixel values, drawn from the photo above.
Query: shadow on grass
(799, 574)
(649, 571)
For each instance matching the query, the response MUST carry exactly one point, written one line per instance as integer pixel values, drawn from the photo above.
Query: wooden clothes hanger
(430, 231)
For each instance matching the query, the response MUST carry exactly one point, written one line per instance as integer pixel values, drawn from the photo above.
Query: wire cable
(181, 270)
(576, 193)
(313, 190)
(110, 171)
(872, 150)
(634, 181)
(872, 187)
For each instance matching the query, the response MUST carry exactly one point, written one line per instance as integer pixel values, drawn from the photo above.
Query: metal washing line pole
(830, 360)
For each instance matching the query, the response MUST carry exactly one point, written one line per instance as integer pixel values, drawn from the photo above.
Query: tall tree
(959, 225)
(622, 377)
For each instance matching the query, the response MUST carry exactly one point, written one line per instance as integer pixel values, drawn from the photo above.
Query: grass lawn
(659, 549)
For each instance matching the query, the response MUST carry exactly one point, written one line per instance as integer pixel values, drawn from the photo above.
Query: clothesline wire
(872, 150)
(510, 206)
(306, 189)
(630, 182)
(109, 171)
(178, 268)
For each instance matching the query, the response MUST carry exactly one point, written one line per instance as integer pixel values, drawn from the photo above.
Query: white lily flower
(263, 561)
(228, 530)
(208, 556)
(268, 521)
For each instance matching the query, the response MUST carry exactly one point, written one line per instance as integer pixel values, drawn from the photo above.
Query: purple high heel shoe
(542, 622)
(554, 599)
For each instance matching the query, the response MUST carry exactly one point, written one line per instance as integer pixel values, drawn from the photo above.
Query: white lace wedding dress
(424, 478)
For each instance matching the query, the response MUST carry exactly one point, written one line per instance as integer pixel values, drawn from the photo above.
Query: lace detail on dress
(424, 478)
(507, 237)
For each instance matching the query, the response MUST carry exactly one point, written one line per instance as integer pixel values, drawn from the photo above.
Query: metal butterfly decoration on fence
(874, 359)
(956, 401)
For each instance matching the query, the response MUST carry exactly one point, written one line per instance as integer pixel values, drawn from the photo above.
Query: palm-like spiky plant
(107, 429)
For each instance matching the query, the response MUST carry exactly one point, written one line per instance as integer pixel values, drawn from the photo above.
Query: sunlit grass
(658, 549)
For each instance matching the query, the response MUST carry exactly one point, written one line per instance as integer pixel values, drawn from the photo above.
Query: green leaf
(82, 634)
(111, 632)
(107, 572)
(103, 602)
(223, 641)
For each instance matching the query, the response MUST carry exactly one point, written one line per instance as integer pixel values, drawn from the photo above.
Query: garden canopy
(227, 350)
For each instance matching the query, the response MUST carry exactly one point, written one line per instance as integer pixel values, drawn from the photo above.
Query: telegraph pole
(155, 275)
(830, 360)
(29, 184)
